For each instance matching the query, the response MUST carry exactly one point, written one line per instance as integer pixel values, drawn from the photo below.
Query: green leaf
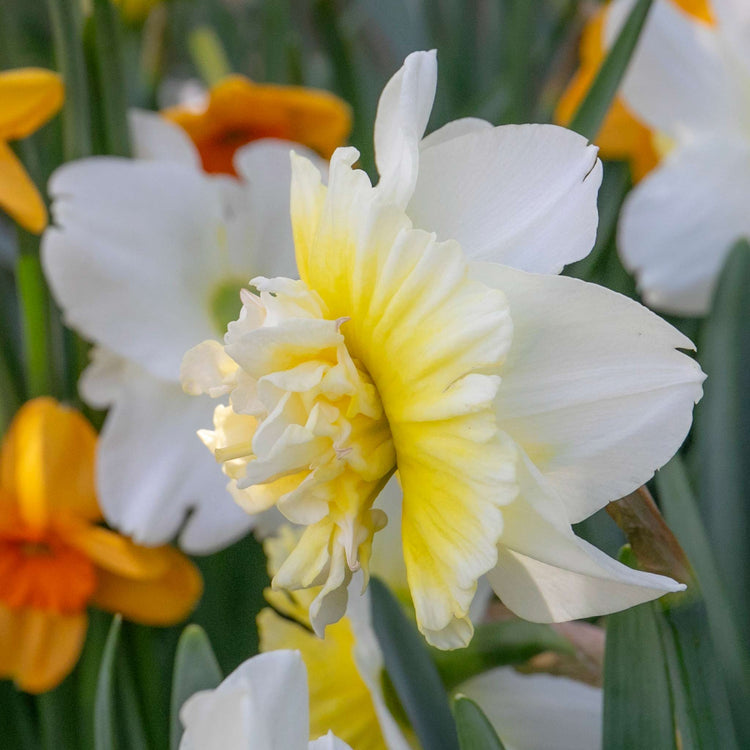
(66, 34)
(731, 648)
(19, 728)
(412, 672)
(474, 729)
(497, 644)
(593, 109)
(195, 669)
(722, 428)
(637, 695)
(701, 705)
(104, 718)
(104, 45)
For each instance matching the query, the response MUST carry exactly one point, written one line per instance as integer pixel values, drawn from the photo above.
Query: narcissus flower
(513, 404)
(239, 111)
(690, 82)
(28, 98)
(622, 135)
(55, 558)
(262, 704)
(146, 258)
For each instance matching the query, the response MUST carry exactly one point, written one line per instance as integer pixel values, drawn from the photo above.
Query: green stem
(32, 293)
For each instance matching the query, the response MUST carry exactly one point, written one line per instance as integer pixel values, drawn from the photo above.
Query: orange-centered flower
(55, 559)
(239, 111)
(623, 136)
(28, 98)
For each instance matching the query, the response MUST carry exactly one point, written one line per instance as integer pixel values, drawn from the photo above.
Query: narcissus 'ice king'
(146, 259)
(513, 404)
(690, 82)
(263, 704)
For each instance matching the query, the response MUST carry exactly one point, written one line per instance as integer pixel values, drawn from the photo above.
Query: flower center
(306, 429)
(225, 304)
(45, 574)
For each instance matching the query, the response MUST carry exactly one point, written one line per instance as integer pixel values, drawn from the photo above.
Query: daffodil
(690, 82)
(238, 111)
(262, 704)
(146, 258)
(28, 98)
(622, 136)
(346, 669)
(56, 559)
(513, 404)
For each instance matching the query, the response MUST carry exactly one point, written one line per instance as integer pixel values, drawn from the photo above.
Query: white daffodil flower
(690, 82)
(537, 712)
(146, 258)
(263, 704)
(513, 404)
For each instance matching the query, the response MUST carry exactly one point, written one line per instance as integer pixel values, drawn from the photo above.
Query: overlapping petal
(594, 388)
(545, 573)
(30, 96)
(403, 111)
(522, 195)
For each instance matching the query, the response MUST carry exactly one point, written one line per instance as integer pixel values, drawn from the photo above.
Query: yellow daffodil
(55, 560)
(28, 98)
(239, 111)
(622, 136)
(513, 404)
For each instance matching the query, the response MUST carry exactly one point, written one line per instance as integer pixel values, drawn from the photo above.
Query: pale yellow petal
(432, 341)
(339, 698)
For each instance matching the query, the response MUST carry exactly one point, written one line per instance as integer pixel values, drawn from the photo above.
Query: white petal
(678, 225)
(266, 230)
(733, 18)
(545, 573)
(522, 195)
(593, 389)
(328, 742)
(135, 253)
(154, 137)
(262, 704)
(538, 712)
(454, 129)
(678, 82)
(154, 476)
(403, 111)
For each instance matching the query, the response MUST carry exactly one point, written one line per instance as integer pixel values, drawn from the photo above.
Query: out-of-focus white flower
(147, 258)
(262, 705)
(689, 81)
(513, 404)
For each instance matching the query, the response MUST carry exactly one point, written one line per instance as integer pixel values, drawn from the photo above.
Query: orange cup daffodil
(55, 557)
(239, 111)
(28, 98)
(622, 137)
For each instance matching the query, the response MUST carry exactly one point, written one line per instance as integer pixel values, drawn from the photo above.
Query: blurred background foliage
(681, 666)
